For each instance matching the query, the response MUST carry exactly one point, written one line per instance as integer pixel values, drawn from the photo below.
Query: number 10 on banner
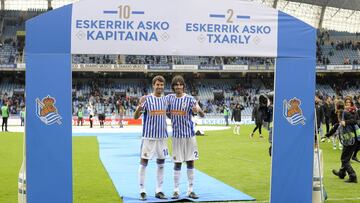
(124, 12)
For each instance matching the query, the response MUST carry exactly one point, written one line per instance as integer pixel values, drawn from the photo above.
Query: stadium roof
(344, 4)
(339, 15)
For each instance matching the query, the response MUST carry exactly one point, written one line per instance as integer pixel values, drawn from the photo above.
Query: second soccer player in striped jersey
(154, 135)
(182, 107)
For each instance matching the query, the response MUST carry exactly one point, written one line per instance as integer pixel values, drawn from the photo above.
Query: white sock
(160, 177)
(177, 175)
(238, 130)
(142, 178)
(234, 131)
(190, 175)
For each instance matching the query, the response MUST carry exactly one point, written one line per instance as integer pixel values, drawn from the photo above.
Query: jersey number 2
(166, 152)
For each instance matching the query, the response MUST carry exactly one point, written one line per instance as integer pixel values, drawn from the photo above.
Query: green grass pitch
(236, 160)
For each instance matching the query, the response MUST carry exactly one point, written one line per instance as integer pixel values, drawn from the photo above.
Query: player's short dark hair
(158, 78)
(177, 79)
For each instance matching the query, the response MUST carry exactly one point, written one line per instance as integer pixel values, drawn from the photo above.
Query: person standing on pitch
(236, 115)
(91, 114)
(100, 110)
(346, 122)
(154, 135)
(226, 114)
(22, 116)
(184, 146)
(121, 115)
(5, 112)
(80, 115)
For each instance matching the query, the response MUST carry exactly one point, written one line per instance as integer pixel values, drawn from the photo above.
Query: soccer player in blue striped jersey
(154, 135)
(182, 107)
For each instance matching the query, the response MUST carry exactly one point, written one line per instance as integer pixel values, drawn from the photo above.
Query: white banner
(219, 121)
(185, 67)
(320, 67)
(235, 67)
(339, 67)
(179, 27)
(109, 67)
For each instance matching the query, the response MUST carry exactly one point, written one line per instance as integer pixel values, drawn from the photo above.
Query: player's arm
(168, 113)
(197, 109)
(138, 111)
(139, 108)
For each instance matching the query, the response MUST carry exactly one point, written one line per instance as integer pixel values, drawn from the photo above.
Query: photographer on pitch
(347, 135)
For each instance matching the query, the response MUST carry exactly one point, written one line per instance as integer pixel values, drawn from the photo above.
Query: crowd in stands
(93, 59)
(12, 90)
(332, 47)
(212, 94)
(9, 52)
(337, 50)
(16, 102)
(339, 87)
(106, 94)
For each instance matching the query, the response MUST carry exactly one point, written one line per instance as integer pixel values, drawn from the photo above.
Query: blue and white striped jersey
(181, 115)
(154, 125)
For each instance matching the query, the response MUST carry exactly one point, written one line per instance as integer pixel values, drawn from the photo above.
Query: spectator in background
(100, 110)
(258, 115)
(319, 117)
(91, 114)
(22, 116)
(121, 115)
(226, 114)
(357, 103)
(328, 108)
(351, 108)
(269, 119)
(80, 115)
(236, 115)
(5, 113)
(346, 120)
(113, 119)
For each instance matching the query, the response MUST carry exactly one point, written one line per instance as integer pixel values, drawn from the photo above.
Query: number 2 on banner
(231, 13)
(124, 12)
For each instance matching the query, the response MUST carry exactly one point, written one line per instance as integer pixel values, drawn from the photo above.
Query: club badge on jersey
(183, 105)
(46, 110)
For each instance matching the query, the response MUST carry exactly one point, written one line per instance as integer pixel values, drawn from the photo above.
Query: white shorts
(154, 148)
(184, 149)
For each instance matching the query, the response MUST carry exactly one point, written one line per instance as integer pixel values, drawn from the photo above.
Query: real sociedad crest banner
(180, 27)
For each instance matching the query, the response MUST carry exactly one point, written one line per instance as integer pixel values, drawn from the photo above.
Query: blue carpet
(120, 156)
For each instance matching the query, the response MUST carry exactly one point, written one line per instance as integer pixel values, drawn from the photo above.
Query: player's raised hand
(141, 102)
(196, 107)
(139, 108)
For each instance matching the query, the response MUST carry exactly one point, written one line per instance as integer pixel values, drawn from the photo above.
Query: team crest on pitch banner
(293, 112)
(47, 111)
